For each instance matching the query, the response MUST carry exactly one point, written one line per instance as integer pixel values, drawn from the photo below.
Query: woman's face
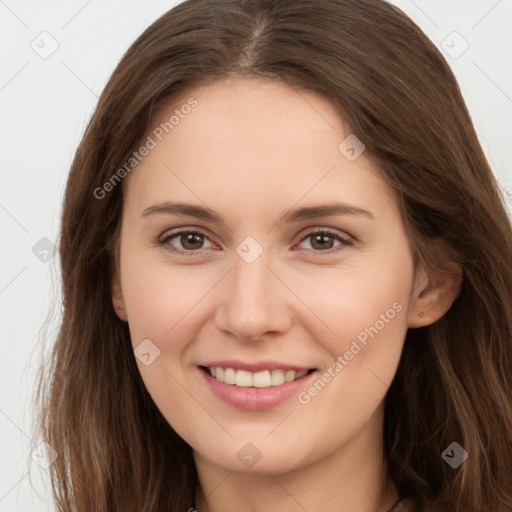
(266, 290)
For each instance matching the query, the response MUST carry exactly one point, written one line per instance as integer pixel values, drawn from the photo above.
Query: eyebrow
(289, 216)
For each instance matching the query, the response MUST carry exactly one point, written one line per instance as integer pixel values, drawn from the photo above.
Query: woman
(286, 275)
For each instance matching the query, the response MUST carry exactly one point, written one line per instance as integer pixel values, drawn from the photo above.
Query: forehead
(253, 112)
(251, 143)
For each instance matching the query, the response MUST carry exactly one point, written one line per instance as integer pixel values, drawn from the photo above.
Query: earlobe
(437, 294)
(118, 300)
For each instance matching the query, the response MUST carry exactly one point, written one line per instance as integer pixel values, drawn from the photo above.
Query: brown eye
(325, 240)
(322, 242)
(191, 241)
(185, 241)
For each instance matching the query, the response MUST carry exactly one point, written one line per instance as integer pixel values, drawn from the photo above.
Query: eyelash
(345, 242)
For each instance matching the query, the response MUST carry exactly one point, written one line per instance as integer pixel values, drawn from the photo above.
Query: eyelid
(345, 240)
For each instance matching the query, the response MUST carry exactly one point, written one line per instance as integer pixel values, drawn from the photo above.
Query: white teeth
(277, 377)
(229, 376)
(289, 375)
(263, 379)
(243, 378)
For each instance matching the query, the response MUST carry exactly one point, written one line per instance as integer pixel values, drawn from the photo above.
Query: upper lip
(255, 366)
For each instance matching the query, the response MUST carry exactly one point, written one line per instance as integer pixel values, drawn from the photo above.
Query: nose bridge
(254, 302)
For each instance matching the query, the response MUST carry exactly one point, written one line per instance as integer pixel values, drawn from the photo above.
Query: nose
(255, 301)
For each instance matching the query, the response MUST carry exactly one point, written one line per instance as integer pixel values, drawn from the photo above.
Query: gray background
(45, 101)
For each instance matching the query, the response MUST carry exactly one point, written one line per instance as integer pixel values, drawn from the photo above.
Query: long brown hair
(396, 92)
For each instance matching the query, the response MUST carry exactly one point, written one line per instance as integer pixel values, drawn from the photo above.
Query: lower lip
(255, 399)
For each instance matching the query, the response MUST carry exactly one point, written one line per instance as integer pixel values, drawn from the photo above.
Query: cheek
(366, 308)
(162, 305)
(157, 297)
(363, 302)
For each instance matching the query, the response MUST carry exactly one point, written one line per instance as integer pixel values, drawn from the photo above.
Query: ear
(117, 297)
(434, 294)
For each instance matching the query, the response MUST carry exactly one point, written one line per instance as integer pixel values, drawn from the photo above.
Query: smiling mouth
(262, 379)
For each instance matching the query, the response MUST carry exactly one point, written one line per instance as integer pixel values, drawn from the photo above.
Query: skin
(250, 150)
